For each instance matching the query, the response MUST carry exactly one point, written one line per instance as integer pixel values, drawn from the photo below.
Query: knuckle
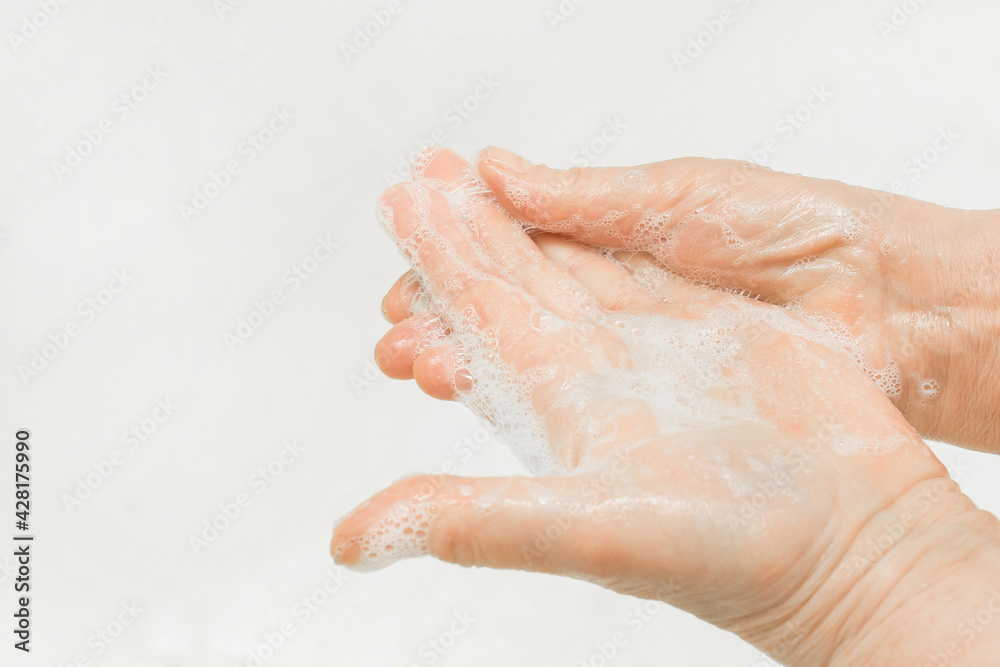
(449, 543)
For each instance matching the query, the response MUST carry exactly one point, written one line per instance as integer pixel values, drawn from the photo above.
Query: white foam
(695, 373)
(402, 532)
(929, 388)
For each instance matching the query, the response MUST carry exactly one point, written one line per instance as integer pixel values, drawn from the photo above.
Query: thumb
(501, 522)
(751, 220)
(601, 205)
(634, 207)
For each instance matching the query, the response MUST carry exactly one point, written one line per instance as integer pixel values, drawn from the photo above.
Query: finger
(662, 284)
(501, 236)
(396, 352)
(439, 164)
(397, 303)
(612, 285)
(720, 222)
(600, 206)
(456, 271)
(634, 281)
(484, 522)
(519, 258)
(440, 374)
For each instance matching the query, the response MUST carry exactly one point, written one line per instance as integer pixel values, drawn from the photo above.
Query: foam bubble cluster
(929, 388)
(402, 532)
(694, 372)
(691, 370)
(659, 233)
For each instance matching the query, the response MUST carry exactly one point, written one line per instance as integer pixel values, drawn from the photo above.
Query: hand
(912, 288)
(719, 453)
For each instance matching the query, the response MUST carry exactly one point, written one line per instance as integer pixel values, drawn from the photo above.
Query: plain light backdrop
(895, 75)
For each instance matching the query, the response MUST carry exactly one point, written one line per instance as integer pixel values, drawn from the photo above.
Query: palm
(695, 438)
(664, 487)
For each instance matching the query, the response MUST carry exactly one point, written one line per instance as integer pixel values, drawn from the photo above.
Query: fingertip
(346, 554)
(398, 300)
(393, 196)
(437, 373)
(423, 159)
(391, 525)
(506, 174)
(343, 545)
(504, 160)
(401, 208)
(395, 352)
(439, 163)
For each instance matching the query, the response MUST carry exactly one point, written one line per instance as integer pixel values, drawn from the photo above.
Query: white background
(302, 374)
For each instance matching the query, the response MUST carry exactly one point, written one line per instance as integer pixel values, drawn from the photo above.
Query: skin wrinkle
(679, 518)
(943, 539)
(865, 206)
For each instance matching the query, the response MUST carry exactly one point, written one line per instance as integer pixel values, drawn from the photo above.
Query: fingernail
(507, 161)
(346, 554)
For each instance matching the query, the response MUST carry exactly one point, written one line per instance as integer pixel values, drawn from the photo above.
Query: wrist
(944, 280)
(933, 598)
(903, 590)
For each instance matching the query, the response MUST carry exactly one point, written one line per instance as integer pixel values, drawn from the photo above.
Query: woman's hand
(912, 287)
(702, 448)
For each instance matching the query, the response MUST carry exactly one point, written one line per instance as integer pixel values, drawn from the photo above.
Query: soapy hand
(703, 448)
(913, 288)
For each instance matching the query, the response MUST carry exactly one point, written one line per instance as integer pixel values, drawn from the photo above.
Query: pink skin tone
(871, 558)
(919, 284)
